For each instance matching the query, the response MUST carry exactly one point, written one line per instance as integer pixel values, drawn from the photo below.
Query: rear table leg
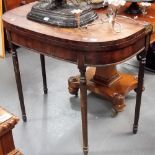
(42, 59)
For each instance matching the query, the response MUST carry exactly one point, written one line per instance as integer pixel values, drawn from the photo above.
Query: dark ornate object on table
(134, 8)
(58, 12)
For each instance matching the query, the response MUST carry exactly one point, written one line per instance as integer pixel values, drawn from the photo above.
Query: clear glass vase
(112, 14)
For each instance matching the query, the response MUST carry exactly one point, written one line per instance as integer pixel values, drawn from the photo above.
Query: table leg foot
(135, 129)
(45, 91)
(118, 102)
(85, 150)
(114, 113)
(24, 117)
(73, 85)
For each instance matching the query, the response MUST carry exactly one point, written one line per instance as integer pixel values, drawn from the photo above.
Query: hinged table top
(97, 33)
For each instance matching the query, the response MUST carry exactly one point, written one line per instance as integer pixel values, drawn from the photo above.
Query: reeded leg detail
(139, 92)
(83, 103)
(142, 61)
(18, 81)
(42, 59)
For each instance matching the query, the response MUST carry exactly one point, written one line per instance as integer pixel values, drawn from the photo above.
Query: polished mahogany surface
(99, 43)
(149, 17)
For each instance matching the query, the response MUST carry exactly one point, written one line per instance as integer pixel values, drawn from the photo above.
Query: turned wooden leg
(83, 103)
(18, 81)
(139, 94)
(42, 59)
(142, 61)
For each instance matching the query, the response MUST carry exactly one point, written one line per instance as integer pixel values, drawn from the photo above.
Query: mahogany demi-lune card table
(97, 45)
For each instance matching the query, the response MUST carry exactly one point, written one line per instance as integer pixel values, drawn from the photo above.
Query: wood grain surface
(100, 44)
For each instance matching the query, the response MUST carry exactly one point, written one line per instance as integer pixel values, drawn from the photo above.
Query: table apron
(93, 58)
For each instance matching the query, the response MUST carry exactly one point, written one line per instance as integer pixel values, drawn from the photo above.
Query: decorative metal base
(61, 16)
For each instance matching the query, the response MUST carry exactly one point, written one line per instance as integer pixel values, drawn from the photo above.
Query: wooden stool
(7, 123)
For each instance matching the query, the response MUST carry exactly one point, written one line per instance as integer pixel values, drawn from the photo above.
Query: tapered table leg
(142, 62)
(139, 94)
(18, 81)
(83, 101)
(83, 104)
(42, 59)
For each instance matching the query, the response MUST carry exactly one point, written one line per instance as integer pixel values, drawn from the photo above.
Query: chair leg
(18, 81)
(42, 59)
